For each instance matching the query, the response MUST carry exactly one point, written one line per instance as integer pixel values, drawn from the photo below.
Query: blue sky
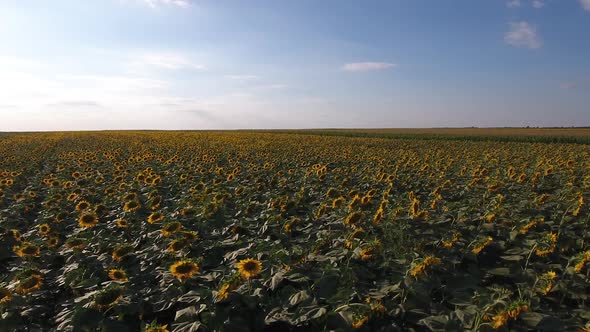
(200, 64)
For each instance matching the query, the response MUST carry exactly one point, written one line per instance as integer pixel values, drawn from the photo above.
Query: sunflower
(88, 220)
(177, 245)
(75, 243)
(61, 216)
(354, 218)
(100, 209)
(249, 268)
(44, 229)
(16, 235)
(27, 249)
(171, 228)
(122, 223)
(72, 197)
(82, 206)
(130, 197)
(5, 295)
(189, 235)
(120, 252)
(107, 297)
(52, 242)
(155, 217)
(184, 269)
(118, 275)
(29, 284)
(131, 206)
(157, 328)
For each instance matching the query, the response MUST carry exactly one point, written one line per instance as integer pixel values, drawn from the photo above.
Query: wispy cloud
(568, 85)
(513, 3)
(585, 4)
(538, 4)
(167, 61)
(179, 3)
(522, 34)
(366, 66)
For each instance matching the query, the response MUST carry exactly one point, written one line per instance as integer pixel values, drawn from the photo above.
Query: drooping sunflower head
(177, 245)
(100, 209)
(82, 206)
(120, 252)
(155, 217)
(171, 228)
(75, 243)
(118, 275)
(354, 218)
(5, 295)
(184, 269)
(88, 220)
(61, 216)
(130, 197)
(131, 206)
(249, 268)
(44, 229)
(107, 297)
(190, 235)
(27, 249)
(29, 284)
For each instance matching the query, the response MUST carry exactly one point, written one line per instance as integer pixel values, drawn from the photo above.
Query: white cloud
(179, 3)
(513, 3)
(585, 4)
(366, 66)
(538, 4)
(522, 34)
(168, 61)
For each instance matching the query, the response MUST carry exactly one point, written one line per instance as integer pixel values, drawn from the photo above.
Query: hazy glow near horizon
(205, 64)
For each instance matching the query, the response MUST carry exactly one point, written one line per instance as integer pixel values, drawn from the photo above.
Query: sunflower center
(185, 268)
(250, 266)
(29, 250)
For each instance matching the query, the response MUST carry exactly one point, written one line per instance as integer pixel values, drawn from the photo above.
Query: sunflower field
(245, 231)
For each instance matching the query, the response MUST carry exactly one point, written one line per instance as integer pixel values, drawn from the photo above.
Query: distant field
(542, 135)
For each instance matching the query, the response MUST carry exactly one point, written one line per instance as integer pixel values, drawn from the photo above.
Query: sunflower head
(154, 327)
(5, 295)
(155, 217)
(61, 216)
(120, 252)
(52, 242)
(88, 220)
(122, 223)
(131, 206)
(44, 229)
(27, 249)
(171, 228)
(107, 297)
(118, 275)
(75, 243)
(184, 269)
(29, 284)
(177, 245)
(82, 206)
(249, 268)
(100, 209)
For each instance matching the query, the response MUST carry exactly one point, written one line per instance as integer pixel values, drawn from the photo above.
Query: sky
(235, 64)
